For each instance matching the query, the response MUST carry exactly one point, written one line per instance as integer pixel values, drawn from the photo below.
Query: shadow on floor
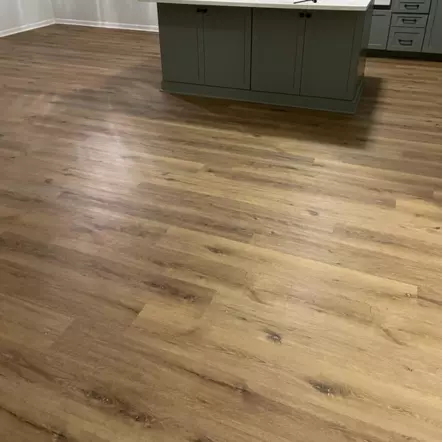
(303, 124)
(143, 97)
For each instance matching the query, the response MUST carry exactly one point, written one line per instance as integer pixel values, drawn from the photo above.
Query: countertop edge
(248, 4)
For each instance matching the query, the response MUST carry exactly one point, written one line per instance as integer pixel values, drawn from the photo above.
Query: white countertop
(329, 5)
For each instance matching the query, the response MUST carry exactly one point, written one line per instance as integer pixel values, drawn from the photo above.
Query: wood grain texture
(190, 270)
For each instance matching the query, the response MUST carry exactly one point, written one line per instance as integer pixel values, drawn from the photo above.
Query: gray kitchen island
(309, 55)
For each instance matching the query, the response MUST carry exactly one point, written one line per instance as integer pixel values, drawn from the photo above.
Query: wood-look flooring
(194, 270)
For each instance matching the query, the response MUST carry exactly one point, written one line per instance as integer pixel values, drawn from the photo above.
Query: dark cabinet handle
(301, 14)
(308, 15)
(201, 10)
(409, 21)
(411, 7)
(405, 42)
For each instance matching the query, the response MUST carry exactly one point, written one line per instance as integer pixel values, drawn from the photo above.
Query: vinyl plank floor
(177, 269)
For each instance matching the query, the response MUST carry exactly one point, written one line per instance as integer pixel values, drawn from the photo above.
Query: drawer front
(412, 6)
(409, 20)
(406, 39)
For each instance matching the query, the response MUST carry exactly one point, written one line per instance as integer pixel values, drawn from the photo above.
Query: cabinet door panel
(180, 41)
(227, 49)
(328, 56)
(380, 26)
(277, 41)
(433, 36)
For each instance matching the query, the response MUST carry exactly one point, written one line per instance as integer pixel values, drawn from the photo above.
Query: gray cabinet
(277, 50)
(410, 28)
(205, 45)
(280, 56)
(181, 43)
(380, 26)
(226, 33)
(290, 54)
(329, 65)
(433, 36)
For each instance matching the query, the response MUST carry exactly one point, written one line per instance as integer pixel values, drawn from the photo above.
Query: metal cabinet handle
(409, 21)
(301, 14)
(405, 42)
(201, 10)
(413, 7)
(308, 15)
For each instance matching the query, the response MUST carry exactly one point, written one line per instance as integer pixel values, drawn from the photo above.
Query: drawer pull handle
(411, 7)
(409, 21)
(405, 42)
(201, 10)
(301, 14)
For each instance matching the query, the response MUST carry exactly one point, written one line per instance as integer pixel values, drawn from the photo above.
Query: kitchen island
(309, 55)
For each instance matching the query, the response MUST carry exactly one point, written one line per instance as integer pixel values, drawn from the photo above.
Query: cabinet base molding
(326, 104)
(400, 54)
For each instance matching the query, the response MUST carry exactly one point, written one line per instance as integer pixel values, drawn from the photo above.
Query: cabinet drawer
(406, 39)
(409, 20)
(412, 6)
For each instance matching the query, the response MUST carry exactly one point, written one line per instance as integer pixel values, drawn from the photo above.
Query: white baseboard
(97, 24)
(29, 27)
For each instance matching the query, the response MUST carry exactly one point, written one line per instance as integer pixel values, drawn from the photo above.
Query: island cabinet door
(181, 42)
(227, 41)
(277, 40)
(433, 35)
(331, 54)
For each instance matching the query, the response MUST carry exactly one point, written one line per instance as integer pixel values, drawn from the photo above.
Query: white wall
(129, 14)
(20, 15)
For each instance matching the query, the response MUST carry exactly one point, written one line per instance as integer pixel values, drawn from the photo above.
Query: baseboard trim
(381, 53)
(25, 28)
(96, 24)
